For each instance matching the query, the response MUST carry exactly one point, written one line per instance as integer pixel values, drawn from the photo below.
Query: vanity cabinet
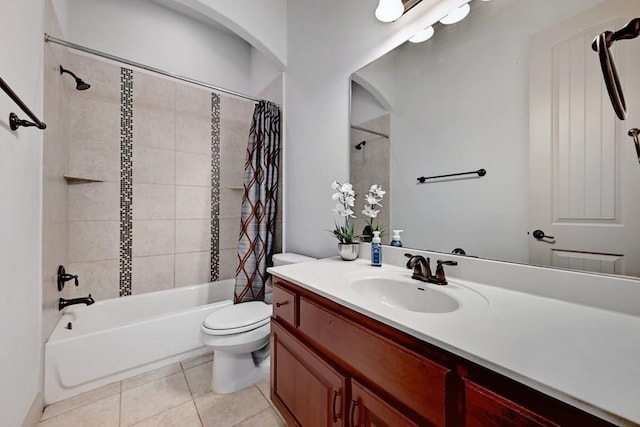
(332, 366)
(367, 409)
(312, 390)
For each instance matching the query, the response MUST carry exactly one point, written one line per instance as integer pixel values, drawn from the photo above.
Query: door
(584, 186)
(369, 410)
(306, 390)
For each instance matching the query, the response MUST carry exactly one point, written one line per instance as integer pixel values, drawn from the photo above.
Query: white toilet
(239, 336)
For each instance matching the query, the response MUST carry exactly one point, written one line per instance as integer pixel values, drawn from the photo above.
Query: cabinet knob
(336, 415)
(354, 405)
(280, 304)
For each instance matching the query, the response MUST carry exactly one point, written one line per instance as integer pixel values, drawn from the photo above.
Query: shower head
(80, 84)
(360, 145)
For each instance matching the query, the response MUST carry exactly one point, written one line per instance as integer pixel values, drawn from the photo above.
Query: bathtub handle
(280, 304)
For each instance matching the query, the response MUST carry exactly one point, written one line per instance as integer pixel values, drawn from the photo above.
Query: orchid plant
(371, 210)
(345, 198)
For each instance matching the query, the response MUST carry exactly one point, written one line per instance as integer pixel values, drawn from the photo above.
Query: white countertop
(585, 356)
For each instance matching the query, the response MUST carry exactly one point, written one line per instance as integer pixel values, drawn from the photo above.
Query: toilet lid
(238, 318)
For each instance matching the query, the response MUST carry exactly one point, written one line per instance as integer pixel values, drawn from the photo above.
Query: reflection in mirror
(515, 89)
(369, 155)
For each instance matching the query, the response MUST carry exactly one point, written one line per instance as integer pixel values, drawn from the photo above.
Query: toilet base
(232, 372)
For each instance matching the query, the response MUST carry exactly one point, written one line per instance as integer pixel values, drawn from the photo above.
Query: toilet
(239, 336)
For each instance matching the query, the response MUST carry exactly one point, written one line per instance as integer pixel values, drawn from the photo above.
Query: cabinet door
(369, 410)
(306, 390)
(484, 408)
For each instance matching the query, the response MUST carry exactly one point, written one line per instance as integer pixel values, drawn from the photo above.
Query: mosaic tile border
(215, 187)
(126, 179)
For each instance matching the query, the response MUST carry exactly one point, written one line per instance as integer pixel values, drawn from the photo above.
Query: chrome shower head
(80, 84)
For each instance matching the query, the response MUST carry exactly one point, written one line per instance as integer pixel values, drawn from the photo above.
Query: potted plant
(371, 210)
(345, 198)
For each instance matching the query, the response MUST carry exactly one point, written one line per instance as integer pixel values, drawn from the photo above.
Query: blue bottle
(395, 240)
(376, 250)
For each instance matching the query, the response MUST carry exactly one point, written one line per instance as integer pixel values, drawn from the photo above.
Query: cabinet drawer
(284, 304)
(484, 408)
(407, 377)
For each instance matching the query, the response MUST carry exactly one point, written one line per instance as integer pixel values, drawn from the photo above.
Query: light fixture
(422, 35)
(456, 15)
(389, 10)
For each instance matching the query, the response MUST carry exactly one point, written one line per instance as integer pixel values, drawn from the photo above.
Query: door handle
(633, 133)
(354, 405)
(335, 414)
(539, 235)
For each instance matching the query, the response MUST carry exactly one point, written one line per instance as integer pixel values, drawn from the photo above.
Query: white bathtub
(117, 338)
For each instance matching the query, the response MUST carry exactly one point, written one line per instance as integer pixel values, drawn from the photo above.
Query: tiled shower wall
(371, 165)
(177, 129)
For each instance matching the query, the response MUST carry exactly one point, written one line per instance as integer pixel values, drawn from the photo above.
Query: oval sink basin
(404, 293)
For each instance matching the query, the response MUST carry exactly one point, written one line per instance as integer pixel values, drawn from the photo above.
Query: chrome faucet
(62, 303)
(422, 269)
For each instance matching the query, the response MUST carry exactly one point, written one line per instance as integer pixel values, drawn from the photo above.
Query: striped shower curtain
(258, 218)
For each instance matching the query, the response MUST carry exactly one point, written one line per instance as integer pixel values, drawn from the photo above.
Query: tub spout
(62, 303)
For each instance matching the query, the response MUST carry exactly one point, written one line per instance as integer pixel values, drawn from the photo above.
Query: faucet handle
(440, 278)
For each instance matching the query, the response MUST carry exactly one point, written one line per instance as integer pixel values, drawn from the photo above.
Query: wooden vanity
(332, 366)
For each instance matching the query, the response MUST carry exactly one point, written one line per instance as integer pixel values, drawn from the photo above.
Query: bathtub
(121, 337)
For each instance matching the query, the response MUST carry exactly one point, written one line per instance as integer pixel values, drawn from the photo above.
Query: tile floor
(178, 395)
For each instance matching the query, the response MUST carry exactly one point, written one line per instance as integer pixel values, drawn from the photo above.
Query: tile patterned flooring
(177, 395)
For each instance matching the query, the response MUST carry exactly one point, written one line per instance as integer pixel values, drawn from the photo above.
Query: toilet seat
(237, 318)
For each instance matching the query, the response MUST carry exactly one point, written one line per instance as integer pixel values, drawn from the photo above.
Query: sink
(411, 295)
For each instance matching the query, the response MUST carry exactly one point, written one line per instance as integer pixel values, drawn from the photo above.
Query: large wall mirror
(514, 89)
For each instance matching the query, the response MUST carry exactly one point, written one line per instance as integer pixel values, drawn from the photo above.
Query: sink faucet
(62, 303)
(422, 269)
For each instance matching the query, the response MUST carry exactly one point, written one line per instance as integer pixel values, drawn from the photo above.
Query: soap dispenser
(376, 250)
(395, 239)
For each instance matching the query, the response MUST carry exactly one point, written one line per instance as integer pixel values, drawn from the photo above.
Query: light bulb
(389, 10)
(422, 35)
(456, 15)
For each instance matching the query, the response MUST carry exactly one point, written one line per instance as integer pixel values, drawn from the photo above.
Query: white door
(584, 179)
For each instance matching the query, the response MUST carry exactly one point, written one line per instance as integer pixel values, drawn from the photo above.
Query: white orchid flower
(377, 190)
(335, 185)
(341, 210)
(347, 188)
(370, 212)
(372, 199)
(350, 201)
(336, 196)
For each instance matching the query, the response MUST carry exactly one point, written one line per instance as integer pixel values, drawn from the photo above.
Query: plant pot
(348, 251)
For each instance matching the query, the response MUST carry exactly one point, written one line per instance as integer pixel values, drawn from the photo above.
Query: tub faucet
(62, 303)
(421, 267)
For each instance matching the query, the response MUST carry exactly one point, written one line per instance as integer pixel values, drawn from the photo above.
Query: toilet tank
(287, 258)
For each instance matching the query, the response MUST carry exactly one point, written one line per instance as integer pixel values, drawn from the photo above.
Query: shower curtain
(258, 218)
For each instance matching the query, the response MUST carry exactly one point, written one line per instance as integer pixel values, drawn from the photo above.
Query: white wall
(261, 23)
(364, 106)
(327, 41)
(21, 66)
(154, 35)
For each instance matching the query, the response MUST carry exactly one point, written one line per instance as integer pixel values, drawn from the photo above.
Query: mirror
(514, 89)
